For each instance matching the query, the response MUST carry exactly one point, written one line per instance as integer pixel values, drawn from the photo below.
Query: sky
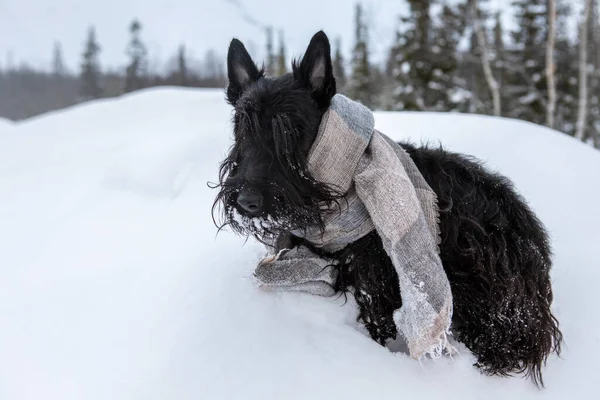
(28, 28)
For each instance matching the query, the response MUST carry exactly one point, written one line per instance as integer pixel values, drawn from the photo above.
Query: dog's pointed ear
(315, 70)
(241, 70)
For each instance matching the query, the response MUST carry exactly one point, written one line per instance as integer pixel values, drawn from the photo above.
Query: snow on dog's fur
(494, 250)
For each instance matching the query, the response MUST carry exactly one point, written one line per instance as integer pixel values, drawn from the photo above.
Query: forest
(445, 57)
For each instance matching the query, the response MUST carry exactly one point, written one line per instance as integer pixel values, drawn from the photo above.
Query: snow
(405, 67)
(5, 125)
(528, 98)
(114, 284)
(459, 95)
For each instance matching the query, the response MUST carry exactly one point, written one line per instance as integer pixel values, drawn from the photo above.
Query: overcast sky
(28, 28)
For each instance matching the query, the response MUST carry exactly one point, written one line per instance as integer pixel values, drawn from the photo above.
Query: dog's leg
(367, 272)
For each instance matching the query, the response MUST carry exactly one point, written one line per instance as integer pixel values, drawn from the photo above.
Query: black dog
(494, 249)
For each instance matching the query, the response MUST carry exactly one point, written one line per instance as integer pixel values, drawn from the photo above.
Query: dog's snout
(250, 200)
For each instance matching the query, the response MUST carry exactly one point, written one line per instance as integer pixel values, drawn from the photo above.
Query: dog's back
(498, 258)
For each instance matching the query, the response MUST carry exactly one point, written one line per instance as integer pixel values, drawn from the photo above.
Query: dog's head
(264, 184)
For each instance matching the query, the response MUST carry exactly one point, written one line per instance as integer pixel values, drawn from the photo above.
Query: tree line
(25, 91)
(446, 56)
(458, 57)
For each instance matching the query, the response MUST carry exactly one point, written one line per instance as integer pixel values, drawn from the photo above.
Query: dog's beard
(292, 204)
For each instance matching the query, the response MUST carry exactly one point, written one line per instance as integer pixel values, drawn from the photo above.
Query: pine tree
(470, 68)
(182, 74)
(593, 124)
(281, 57)
(388, 93)
(380, 87)
(582, 114)
(499, 59)
(446, 91)
(136, 70)
(426, 59)
(413, 69)
(588, 120)
(58, 65)
(550, 66)
(212, 69)
(90, 69)
(566, 56)
(527, 76)
(594, 34)
(339, 71)
(479, 18)
(360, 84)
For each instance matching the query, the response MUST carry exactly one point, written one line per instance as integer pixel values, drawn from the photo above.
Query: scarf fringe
(444, 347)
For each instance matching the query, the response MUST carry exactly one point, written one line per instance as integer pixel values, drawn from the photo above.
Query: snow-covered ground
(114, 285)
(5, 125)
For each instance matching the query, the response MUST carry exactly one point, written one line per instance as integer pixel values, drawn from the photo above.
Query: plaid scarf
(384, 191)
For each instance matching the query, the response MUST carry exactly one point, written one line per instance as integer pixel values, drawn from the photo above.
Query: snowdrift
(114, 284)
(5, 125)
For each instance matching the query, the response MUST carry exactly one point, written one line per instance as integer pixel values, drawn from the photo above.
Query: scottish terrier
(495, 251)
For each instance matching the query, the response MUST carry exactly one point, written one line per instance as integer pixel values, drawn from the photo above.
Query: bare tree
(583, 72)
(550, 68)
(485, 59)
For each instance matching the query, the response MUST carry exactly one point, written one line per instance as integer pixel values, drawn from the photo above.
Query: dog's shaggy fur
(494, 249)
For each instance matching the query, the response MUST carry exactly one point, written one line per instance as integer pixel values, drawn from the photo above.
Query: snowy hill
(113, 284)
(5, 125)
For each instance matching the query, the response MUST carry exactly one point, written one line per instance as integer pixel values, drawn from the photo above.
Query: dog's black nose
(250, 200)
